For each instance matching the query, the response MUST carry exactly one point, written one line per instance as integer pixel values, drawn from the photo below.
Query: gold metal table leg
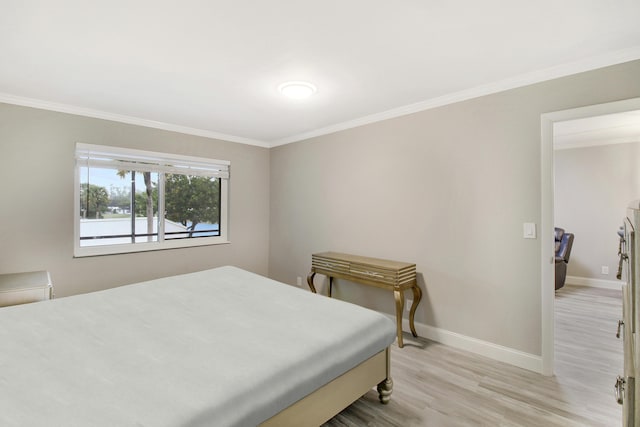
(417, 296)
(399, 296)
(310, 281)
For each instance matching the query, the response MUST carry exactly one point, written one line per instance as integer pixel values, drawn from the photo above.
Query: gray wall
(593, 186)
(447, 188)
(37, 181)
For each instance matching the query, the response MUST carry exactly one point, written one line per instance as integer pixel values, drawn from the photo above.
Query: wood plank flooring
(440, 386)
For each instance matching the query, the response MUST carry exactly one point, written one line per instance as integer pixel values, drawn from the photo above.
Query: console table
(391, 275)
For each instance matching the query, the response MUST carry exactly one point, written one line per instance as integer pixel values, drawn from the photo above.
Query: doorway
(548, 122)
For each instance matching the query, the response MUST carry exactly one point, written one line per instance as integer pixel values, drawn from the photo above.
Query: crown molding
(559, 144)
(588, 64)
(592, 63)
(97, 114)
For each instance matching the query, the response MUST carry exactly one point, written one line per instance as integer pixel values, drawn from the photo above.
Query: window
(131, 200)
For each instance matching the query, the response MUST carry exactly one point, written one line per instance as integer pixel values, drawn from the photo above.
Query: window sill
(90, 251)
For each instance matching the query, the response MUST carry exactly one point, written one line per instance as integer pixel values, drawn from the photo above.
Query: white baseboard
(501, 353)
(594, 283)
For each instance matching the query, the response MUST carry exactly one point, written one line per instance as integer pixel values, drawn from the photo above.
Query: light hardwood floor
(440, 386)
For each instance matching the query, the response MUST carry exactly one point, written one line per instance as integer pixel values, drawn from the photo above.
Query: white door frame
(547, 217)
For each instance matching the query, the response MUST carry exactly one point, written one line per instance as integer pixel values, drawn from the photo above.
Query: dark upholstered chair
(564, 242)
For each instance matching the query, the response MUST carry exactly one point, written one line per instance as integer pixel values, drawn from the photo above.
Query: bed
(221, 347)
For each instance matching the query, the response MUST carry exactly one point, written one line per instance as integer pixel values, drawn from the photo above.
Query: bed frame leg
(385, 388)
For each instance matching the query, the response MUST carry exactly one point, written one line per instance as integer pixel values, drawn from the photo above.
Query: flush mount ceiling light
(297, 90)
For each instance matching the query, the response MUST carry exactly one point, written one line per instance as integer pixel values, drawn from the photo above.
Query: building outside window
(131, 200)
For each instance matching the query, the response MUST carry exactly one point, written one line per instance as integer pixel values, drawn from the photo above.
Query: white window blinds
(100, 156)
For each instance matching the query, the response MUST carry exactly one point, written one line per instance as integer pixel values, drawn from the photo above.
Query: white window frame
(159, 162)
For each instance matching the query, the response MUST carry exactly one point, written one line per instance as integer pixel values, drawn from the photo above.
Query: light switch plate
(529, 229)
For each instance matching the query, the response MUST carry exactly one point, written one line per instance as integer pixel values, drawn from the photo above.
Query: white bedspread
(222, 347)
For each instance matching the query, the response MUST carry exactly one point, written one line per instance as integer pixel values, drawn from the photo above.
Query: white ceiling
(600, 130)
(212, 67)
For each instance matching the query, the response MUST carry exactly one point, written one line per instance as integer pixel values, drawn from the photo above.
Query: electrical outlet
(299, 282)
(605, 269)
(408, 304)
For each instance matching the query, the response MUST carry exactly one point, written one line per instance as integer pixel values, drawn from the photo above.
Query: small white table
(21, 288)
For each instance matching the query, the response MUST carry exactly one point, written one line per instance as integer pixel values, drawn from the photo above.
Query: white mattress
(222, 347)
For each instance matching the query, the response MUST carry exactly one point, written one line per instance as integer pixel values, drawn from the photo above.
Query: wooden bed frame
(327, 401)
